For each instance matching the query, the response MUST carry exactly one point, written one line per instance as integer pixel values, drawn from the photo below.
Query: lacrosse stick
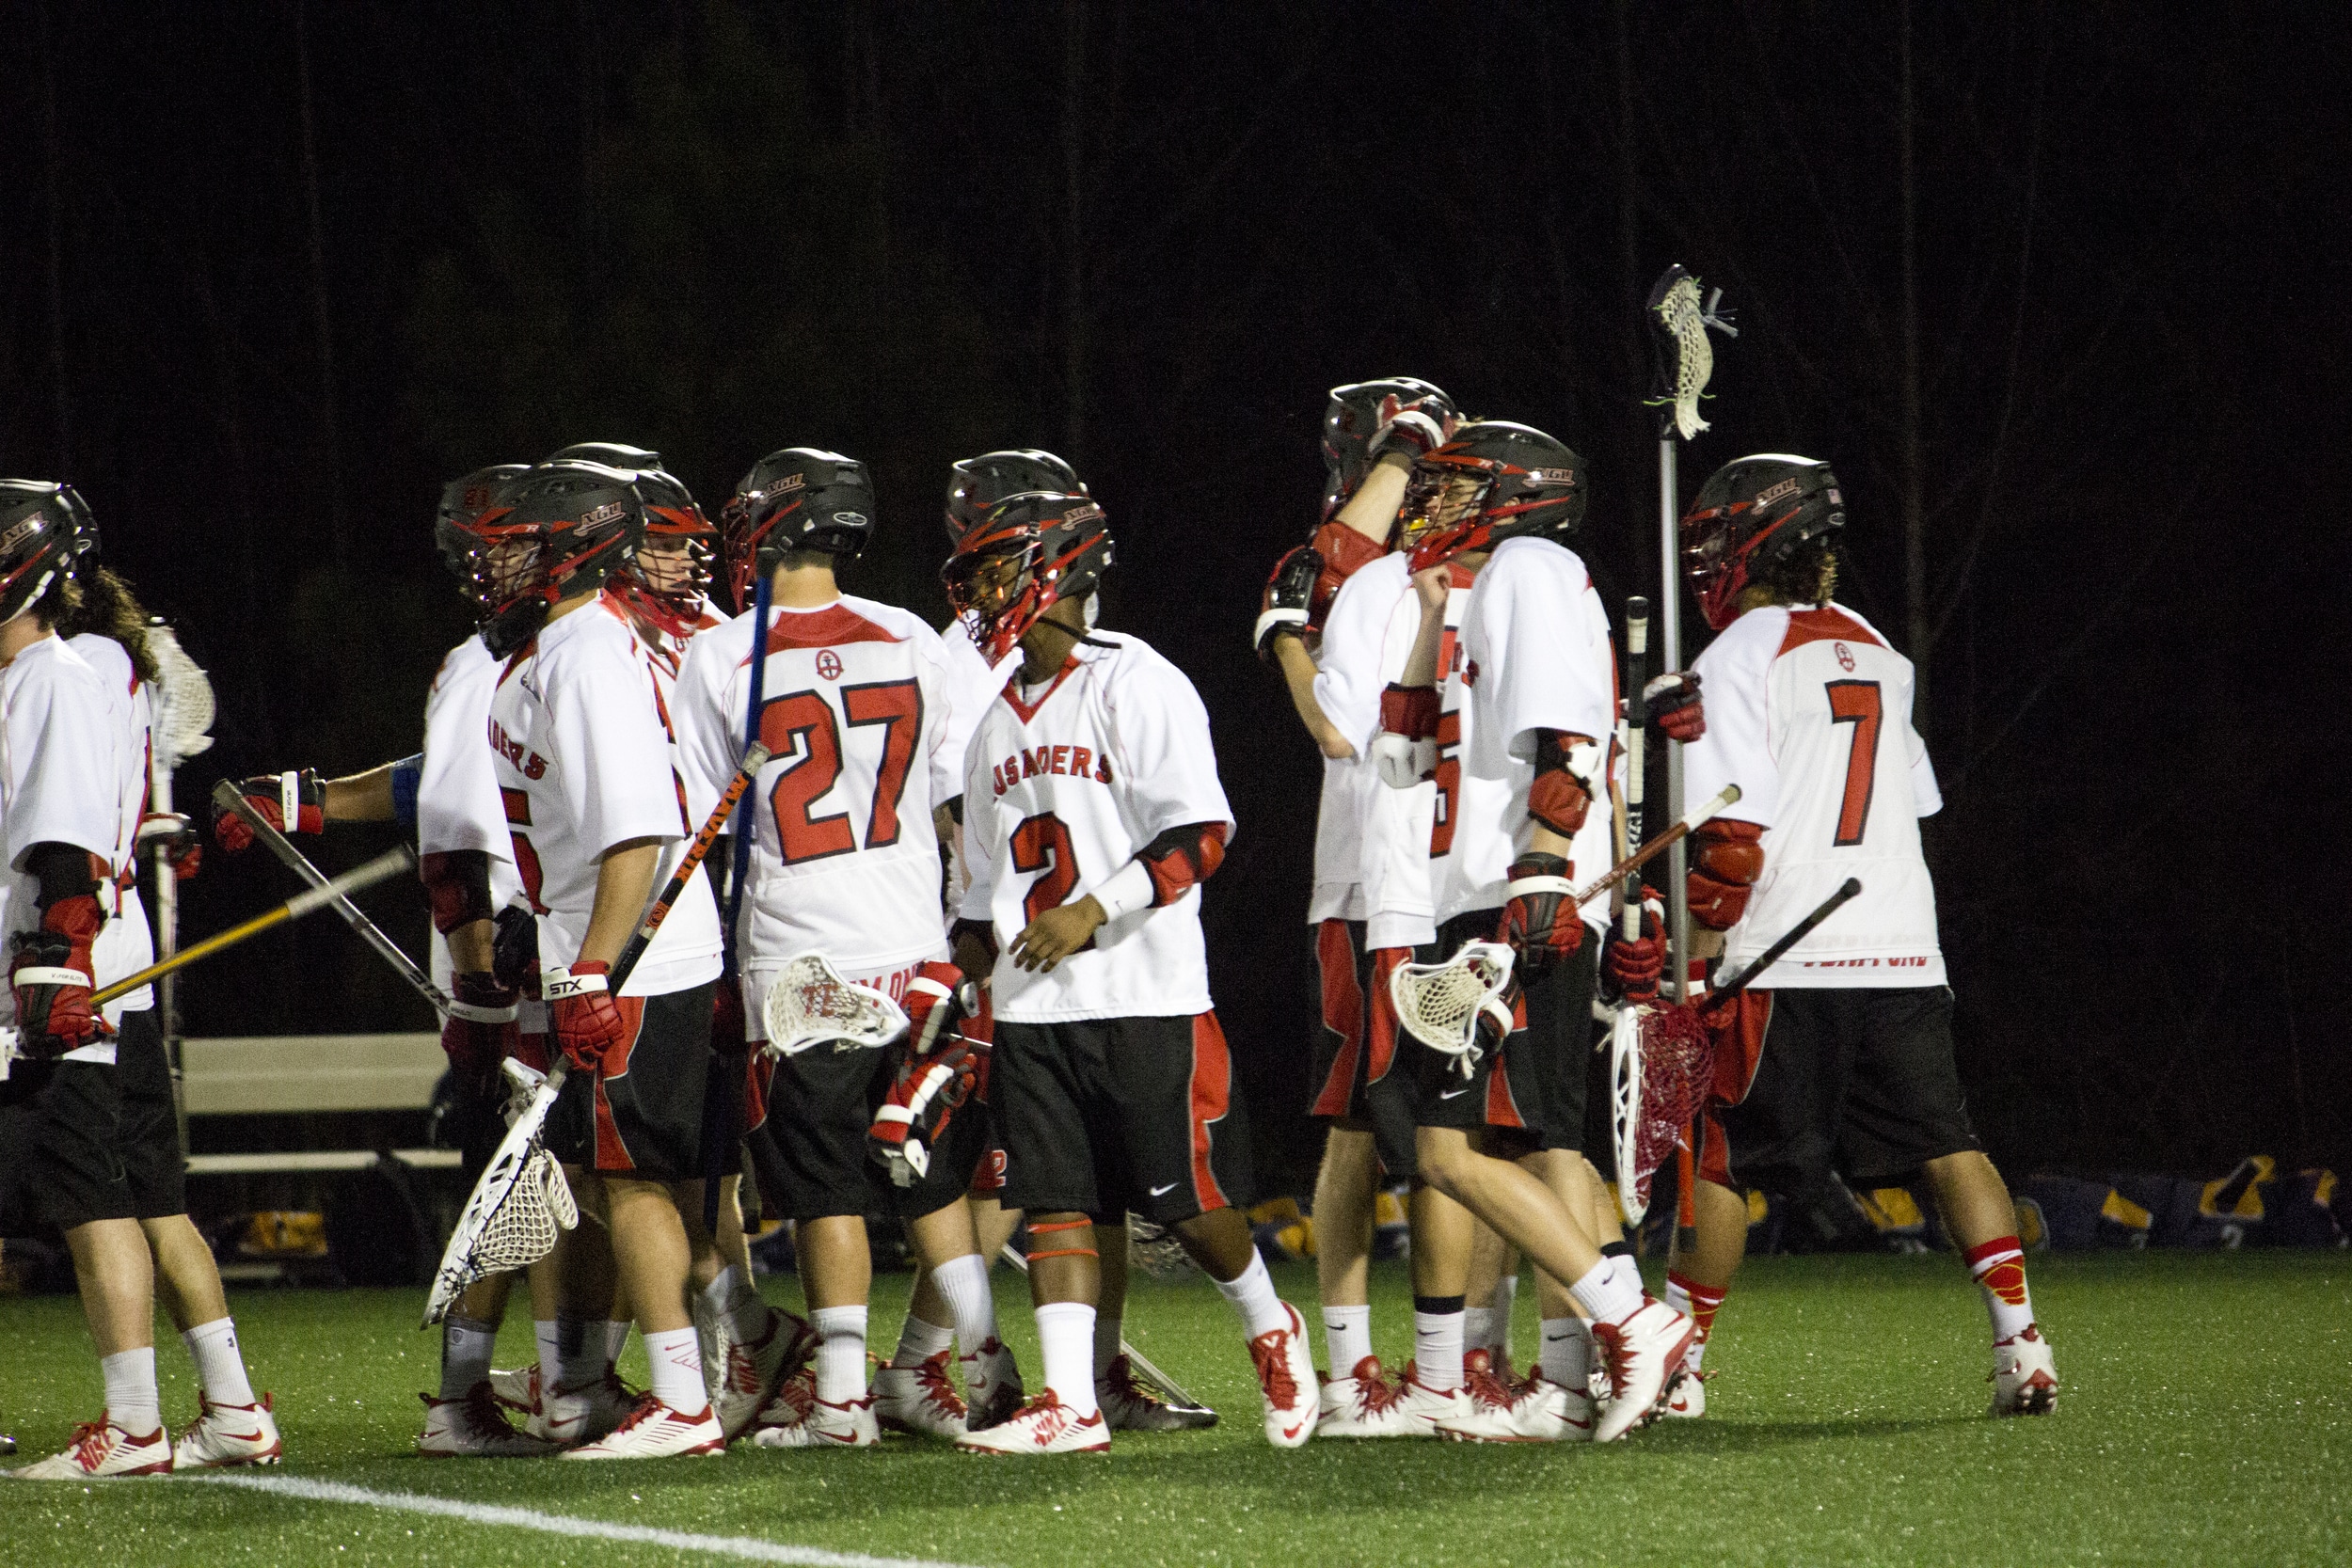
(1442, 1005)
(179, 722)
(727, 1107)
(391, 862)
(1654, 1097)
(1169, 1387)
(1625, 1032)
(516, 1211)
(1725, 798)
(1686, 362)
(810, 1001)
(227, 797)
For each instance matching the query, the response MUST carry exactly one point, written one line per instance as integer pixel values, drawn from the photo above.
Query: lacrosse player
(1517, 742)
(1092, 812)
(1370, 904)
(1841, 1052)
(855, 702)
(596, 813)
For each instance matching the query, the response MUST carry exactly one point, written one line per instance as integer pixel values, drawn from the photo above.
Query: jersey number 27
(803, 724)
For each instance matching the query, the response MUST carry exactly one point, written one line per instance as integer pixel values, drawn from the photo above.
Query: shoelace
(90, 1443)
(743, 1364)
(1488, 1389)
(940, 1394)
(1616, 1356)
(1270, 1351)
(483, 1416)
(1053, 1417)
(203, 1413)
(1376, 1395)
(1120, 1381)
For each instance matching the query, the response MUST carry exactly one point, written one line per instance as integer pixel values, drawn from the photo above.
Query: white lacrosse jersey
(971, 685)
(580, 747)
(855, 703)
(1474, 819)
(61, 738)
(1537, 656)
(126, 943)
(1372, 842)
(459, 805)
(1068, 782)
(1808, 711)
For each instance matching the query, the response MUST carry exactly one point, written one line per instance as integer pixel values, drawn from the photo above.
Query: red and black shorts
(100, 1142)
(1355, 1044)
(1539, 1093)
(1105, 1117)
(1859, 1079)
(810, 1151)
(642, 1115)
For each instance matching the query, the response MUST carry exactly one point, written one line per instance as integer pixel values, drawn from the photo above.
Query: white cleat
(567, 1417)
(103, 1450)
(814, 1423)
(1425, 1407)
(517, 1388)
(2025, 1375)
(475, 1427)
(1045, 1425)
(1365, 1404)
(1286, 1375)
(992, 1386)
(1643, 1354)
(1688, 1403)
(755, 1370)
(226, 1434)
(919, 1400)
(654, 1431)
(1503, 1412)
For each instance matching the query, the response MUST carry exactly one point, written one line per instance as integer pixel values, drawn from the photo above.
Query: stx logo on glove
(1075, 762)
(517, 753)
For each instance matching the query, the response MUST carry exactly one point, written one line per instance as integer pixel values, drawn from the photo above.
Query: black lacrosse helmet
(1527, 483)
(800, 499)
(45, 530)
(1030, 552)
(462, 501)
(980, 482)
(1749, 515)
(556, 532)
(1353, 417)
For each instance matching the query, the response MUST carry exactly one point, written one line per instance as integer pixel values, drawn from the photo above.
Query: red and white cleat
(1045, 1425)
(1642, 1354)
(101, 1449)
(1425, 1407)
(1688, 1403)
(1535, 1410)
(921, 1400)
(815, 1423)
(226, 1434)
(567, 1417)
(517, 1388)
(755, 1370)
(654, 1431)
(1286, 1375)
(2024, 1374)
(1365, 1404)
(1129, 1406)
(992, 1386)
(475, 1427)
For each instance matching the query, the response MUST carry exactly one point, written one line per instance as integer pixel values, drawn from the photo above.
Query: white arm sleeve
(982, 841)
(1538, 633)
(1735, 675)
(1354, 667)
(705, 707)
(63, 750)
(615, 772)
(1160, 737)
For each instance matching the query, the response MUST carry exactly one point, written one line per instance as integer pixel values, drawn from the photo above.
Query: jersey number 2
(1042, 844)
(803, 722)
(1856, 702)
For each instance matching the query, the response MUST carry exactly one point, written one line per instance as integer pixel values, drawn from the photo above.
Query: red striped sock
(1699, 1303)
(1999, 1267)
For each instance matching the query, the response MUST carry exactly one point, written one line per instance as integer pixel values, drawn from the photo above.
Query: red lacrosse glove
(591, 1025)
(1289, 588)
(1634, 968)
(924, 1096)
(1540, 921)
(1672, 702)
(50, 977)
(1413, 428)
(480, 1031)
(938, 997)
(270, 795)
(183, 847)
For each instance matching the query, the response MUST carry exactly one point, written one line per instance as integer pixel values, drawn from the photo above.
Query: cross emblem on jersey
(829, 664)
(1845, 656)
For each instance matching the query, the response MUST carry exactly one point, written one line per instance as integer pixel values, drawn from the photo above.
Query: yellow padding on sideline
(2124, 1212)
(1893, 1208)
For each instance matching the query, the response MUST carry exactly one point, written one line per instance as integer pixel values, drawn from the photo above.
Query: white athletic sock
(466, 1347)
(1438, 1350)
(1065, 1332)
(1678, 1294)
(737, 1301)
(1477, 1328)
(1606, 1295)
(918, 1341)
(615, 1339)
(218, 1367)
(840, 1353)
(1252, 1295)
(1629, 1271)
(542, 1334)
(1108, 1331)
(1506, 1297)
(580, 1354)
(1347, 1336)
(1566, 1356)
(677, 1357)
(132, 1403)
(963, 1281)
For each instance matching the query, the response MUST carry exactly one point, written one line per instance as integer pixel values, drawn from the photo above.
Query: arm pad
(408, 773)
(458, 883)
(1345, 552)
(1727, 856)
(1411, 711)
(1563, 790)
(62, 871)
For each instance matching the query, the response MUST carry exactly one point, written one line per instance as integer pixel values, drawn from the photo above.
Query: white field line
(743, 1547)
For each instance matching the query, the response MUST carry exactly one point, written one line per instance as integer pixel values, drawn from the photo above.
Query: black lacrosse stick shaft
(1794, 935)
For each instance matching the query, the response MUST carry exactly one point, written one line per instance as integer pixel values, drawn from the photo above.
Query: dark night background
(274, 273)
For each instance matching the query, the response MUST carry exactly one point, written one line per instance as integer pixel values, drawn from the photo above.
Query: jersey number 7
(1856, 702)
(802, 722)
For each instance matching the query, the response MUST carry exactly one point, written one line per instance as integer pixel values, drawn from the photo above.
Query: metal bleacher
(308, 1074)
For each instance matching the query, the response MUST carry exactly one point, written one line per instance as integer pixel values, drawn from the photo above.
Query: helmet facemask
(1033, 551)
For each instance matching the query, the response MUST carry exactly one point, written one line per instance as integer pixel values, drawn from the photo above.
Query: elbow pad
(1343, 553)
(1566, 767)
(407, 774)
(1403, 763)
(1411, 711)
(458, 883)
(1727, 857)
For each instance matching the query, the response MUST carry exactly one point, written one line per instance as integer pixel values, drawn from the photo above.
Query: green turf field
(2206, 1417)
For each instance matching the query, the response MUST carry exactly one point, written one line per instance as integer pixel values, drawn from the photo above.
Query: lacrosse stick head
(1750, 518)
(1680, 318)
(1444, 1004)
(183, 700)
(520, 1207)
(1660, 1061)
(1154, 1249)
(810, 1001)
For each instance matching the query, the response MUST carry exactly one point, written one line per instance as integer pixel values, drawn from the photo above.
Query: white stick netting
(1682, 320)
(1440, 1004)
(809, 1002)
(184, 706)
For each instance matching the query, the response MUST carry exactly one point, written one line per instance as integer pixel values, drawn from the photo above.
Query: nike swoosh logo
(1157, 1192)
(1454, 1094)
(1291, 1432)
